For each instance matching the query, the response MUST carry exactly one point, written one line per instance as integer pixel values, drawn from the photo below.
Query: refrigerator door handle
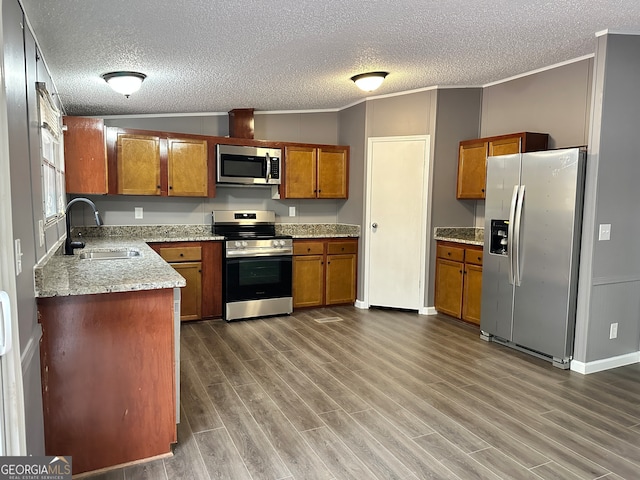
(518, 229)
(512, 213)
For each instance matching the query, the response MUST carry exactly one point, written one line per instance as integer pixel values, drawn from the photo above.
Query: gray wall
(609, 289)
(23, 70)
(553, 101)
(351, 125)
(457, 119)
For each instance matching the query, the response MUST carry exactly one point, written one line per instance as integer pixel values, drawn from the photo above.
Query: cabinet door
(138, 160)
(187, 167)
(504, 146)
(472, 293)
(341, 279)
(332, 172)
(449, 287)
(85, 155)
(300, 172)
(191, 295)
(308, 280)
(472, 170)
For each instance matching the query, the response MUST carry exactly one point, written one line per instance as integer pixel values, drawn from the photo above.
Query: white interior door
(397, 221)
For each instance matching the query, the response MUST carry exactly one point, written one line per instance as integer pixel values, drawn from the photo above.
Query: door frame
(11, 390)
(425, 215)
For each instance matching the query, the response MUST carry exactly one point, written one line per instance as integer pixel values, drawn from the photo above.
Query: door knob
(374, 225)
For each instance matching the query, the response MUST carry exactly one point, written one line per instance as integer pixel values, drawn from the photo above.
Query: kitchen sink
(119, 254)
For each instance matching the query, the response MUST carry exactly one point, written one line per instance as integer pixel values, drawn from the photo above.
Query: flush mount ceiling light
(369, 81)
(125, 83)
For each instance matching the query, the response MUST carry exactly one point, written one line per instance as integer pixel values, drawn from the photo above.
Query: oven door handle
(248, 253)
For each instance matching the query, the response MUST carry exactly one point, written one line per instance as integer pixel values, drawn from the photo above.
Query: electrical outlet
(138, 214)
(613, 331)
(605, 231)
(292, 211)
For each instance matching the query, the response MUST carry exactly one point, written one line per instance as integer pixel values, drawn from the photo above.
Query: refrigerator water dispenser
(499, 232)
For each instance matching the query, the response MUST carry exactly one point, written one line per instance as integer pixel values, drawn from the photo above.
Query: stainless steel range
(257, 264)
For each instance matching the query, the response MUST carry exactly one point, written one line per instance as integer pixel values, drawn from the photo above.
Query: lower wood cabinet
(200, 263)
(458, 285)
(187, 261)
(324, 272)
(108, 377)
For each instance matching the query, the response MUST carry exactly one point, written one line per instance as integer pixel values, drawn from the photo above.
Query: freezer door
(503, 173)
(544, 305)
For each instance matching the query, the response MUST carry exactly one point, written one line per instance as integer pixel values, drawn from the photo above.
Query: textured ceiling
(213, 56)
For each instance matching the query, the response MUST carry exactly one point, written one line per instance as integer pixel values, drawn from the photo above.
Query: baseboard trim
(427, 311)
(361, 305)
(605, 363)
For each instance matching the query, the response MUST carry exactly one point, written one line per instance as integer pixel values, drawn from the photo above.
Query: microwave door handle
(268, 160)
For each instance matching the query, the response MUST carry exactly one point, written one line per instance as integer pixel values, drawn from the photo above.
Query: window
(52, 157)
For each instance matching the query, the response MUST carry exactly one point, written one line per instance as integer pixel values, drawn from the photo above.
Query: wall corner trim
(361, 305)
(428, 311)
(605, 363)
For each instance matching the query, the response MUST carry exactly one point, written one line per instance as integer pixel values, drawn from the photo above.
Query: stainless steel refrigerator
(533, 217)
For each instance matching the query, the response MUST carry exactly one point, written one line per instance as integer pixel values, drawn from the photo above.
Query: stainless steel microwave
(248, 165)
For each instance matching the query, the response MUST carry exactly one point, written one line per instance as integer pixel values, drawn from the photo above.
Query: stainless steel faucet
(68, 244)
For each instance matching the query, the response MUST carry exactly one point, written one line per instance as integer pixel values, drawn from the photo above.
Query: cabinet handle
(182, 254)
(343, 249)
(308, 249)
(479, 258)
(483, 190)
(158, 187)
(170, 187)
(449, 253)
(460, 271)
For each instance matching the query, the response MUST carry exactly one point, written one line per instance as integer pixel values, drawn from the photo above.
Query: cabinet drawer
(181, 254)
(471, 255)
(308, 248)
(452, 253)
(334, 248)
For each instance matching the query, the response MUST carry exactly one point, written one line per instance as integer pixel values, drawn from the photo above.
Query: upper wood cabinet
(187, 162)
(138, 163)
(316, 171)
(160, 163)
(85, 155)
(472, 158)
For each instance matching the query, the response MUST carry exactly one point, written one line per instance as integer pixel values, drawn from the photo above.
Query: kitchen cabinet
(315, 171)
(85, 155)
(324, 272)
(159, 163)
(187, 261)
(200, 263)
(458, 285)
(108, 377)
(472, 158)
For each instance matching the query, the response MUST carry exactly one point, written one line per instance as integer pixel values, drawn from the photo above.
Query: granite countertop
(64, 275)
(466, 235)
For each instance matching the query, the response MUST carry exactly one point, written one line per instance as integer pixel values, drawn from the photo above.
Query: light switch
(605, 231)
(292, 211)
(18, 254)
(138, 213)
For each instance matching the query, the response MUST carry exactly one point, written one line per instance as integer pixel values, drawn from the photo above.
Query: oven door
(257, 278)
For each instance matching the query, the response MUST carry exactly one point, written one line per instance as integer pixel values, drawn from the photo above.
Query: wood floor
(389, 395)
